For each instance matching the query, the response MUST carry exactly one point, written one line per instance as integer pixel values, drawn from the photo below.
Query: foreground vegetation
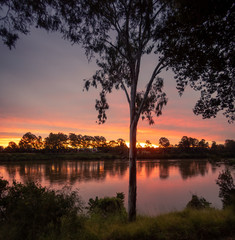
(32, 212)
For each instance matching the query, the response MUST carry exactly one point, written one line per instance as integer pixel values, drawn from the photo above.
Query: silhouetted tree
(75, 141)
(230, 145)
(227, 188)
(99, 141)
(213, 145)
(56, 141)
(148, 144)
(184, 142)
(30, 141)
(199, 41)
(193, 142)
(203, 144)
(12, 147)
(164, 142)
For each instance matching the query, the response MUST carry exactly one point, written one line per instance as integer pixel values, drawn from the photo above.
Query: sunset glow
(45, 75)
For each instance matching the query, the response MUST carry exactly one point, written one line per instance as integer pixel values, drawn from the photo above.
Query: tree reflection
(70, 172)
(193, 168)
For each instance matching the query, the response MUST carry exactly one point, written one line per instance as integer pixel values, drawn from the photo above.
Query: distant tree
(56, 141)
(12, 147)
(75, 141)
(121, 142)
(213, 145)
(30, 141)
(99, 141)
(164, 142)
(203, 144)
(184, 142)
(187, 142)
(148, 144)
(193, 142)
(113, 143)
(88, 141)
(1, 148)
(230, 145)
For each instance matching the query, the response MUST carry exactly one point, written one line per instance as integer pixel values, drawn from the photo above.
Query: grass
(188, 224)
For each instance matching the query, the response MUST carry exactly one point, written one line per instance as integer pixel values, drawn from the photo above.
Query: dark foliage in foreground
(29, 211)
(227, 188)
(198, 203)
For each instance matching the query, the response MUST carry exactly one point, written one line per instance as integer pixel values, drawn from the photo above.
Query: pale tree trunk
(132, 173)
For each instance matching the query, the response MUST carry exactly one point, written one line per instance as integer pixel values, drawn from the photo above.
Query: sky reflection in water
(162, 186)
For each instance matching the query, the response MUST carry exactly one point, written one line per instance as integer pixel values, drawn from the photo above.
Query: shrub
(198, 203)
(30, 211)
(107, 206)
(227, 188)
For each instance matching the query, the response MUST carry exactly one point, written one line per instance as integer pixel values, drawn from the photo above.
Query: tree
(164, 142)
(184, 142)
(203, 144)
(30, 141)
(56, 141)
(12, 147)
(148, 144)
(227, 188)
(17, 17)
(230, 145)
(100, 141)
(118, 33)
(201, 52)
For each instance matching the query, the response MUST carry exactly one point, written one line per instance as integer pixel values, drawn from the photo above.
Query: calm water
(162, 186)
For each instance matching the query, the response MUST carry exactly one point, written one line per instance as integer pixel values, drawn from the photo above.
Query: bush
(30, 211)
(227, 188)
(107, 206)
(198, 203)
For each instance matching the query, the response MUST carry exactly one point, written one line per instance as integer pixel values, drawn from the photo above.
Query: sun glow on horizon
(143, 145)
(5, 141)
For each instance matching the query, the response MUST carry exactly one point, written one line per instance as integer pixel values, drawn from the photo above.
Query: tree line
(77, 142)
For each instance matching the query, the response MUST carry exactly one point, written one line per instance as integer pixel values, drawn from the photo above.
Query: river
(162, 185)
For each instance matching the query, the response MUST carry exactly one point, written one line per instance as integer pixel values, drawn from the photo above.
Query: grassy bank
(188, 224)
(6, 157)
(33, 212)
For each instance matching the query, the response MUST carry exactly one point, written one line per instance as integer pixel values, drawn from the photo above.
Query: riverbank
(17, 157)
(30, 211)
(11, 157)
(187, 224)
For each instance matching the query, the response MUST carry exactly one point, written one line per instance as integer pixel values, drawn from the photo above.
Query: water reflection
(83, 171)
(162, 185)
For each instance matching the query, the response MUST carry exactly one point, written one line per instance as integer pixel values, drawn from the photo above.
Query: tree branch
(125, 90)
(156, 71)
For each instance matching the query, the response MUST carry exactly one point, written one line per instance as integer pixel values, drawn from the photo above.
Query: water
(162, 186)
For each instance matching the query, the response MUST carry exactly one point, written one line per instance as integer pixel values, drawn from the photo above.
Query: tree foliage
(201, 52)
(30, 141)
(29, 211)
(227, 188)
(164, 142)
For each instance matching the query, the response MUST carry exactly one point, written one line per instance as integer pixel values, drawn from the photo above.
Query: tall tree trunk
(132, 173)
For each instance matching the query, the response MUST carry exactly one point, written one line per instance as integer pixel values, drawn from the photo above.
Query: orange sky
(42, 91)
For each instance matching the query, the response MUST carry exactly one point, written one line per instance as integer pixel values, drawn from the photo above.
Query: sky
(41, 91)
